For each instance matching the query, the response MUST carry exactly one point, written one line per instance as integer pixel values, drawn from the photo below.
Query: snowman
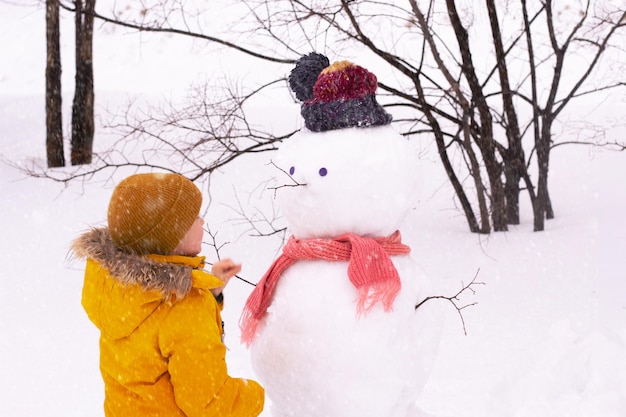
(332, 326)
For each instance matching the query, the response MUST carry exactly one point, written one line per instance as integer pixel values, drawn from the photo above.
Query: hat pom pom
(303, 77)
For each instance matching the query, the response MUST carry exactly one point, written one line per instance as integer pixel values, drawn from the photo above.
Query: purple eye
(292, 170)
(323, 172)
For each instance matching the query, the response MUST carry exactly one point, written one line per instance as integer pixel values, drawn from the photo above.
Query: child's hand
(224, 270)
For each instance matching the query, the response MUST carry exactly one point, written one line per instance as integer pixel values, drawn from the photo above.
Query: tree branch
(454, 299)
(184, 32)
(217, 248)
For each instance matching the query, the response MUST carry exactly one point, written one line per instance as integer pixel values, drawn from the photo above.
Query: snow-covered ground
(547, 337)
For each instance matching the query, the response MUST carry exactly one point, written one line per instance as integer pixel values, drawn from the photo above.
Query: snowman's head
(350, 180)
(348, 171)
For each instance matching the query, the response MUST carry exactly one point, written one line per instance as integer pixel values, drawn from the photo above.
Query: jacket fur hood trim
(131, 269)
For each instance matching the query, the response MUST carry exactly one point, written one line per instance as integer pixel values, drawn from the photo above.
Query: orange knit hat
(151, 213)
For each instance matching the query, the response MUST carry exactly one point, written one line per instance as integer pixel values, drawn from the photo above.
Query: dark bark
(481, 193)
(484, 137)
(445, 160)
(464, 139)
(54, 116)
(83, 104)
(543, 162)
(537, 212)
(513, 157)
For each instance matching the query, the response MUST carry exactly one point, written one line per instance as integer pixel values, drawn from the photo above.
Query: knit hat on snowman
(336, 96)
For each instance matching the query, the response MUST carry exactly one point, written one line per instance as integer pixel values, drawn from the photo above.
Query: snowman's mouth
(292, 183)
(297, 184)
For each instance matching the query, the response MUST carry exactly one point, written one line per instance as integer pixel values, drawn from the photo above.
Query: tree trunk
(481, 193)
(543, 164)
(511, 192)
(513, 158)
(54, 113)
(549, 210)
(83, 105)
(484, 138)
(443, 155)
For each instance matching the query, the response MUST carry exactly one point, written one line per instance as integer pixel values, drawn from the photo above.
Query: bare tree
(83, 104)
(54, 116)
(591, 32)
(488, 98)
(212, 130)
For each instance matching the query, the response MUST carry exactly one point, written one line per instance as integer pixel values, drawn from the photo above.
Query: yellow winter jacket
(161, 349)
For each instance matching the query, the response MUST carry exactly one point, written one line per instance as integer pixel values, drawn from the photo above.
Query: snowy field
(546, 339)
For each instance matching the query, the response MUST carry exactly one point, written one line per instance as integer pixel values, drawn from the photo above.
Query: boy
(158, 311)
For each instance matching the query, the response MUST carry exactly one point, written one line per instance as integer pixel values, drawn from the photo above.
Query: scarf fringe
(248, 324)
(384, 293)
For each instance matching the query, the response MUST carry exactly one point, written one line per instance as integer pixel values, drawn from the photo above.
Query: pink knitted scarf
(370, 270)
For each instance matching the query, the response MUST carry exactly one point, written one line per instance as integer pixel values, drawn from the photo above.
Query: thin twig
(217, 253)
(454, 299)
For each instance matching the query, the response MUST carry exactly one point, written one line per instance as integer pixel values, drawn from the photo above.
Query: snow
(546, 338)
(315, 352)
(373, 168)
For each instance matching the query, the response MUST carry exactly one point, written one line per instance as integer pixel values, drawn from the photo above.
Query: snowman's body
(313, 353)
